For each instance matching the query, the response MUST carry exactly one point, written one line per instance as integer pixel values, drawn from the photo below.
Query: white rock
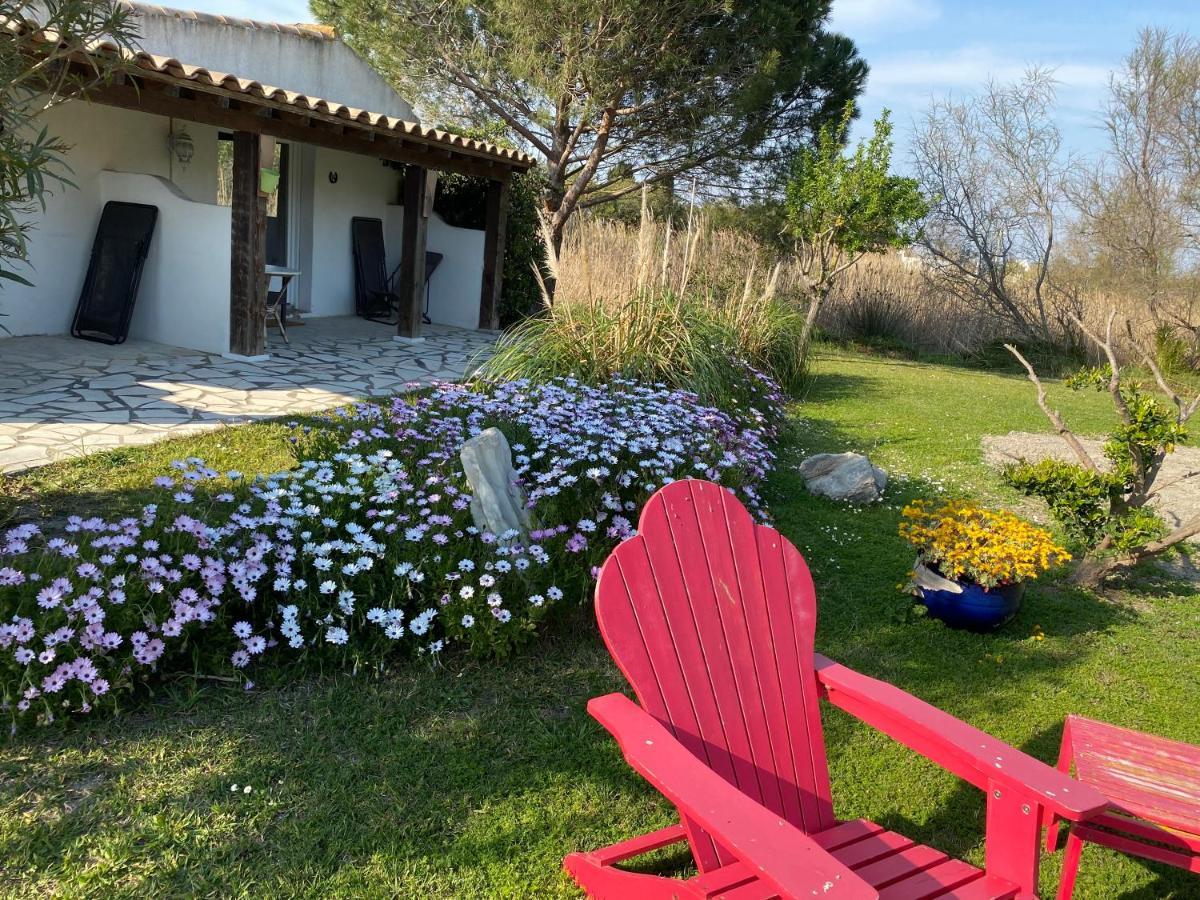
(843, 476)
(498, 503)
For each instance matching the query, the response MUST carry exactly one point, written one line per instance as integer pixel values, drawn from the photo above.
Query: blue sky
(919, 49)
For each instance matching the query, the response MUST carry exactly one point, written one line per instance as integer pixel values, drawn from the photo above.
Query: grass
(686, 308)
(472, 780)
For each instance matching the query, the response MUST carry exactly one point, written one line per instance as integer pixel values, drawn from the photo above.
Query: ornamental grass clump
(699, 310)
(991, 548)
(364, 552)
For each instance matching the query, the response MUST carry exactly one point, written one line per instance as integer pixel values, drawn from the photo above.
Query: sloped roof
(300, 29)
(169, 68)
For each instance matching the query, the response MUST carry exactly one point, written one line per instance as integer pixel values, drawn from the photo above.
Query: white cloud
(851, 16)
(971, 66)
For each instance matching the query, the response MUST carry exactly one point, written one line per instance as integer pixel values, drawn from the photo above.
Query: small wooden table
(1153, 785)
(277, 308)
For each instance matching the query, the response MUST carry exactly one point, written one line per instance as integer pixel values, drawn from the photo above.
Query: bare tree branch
(1055, 419)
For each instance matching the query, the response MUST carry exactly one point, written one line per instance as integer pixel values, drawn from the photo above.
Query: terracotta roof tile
(198, 75)
(317, 32)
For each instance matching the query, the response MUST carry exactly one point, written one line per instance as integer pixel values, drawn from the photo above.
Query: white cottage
(209, 102)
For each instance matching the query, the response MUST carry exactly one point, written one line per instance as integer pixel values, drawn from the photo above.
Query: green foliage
(461, 200)
(1079, 499)
(1171, 351)
(34, 77)
(695, 341)
(852, 201)
(728, 89)
(1108, 507)
(763, 220)
(1153, 428)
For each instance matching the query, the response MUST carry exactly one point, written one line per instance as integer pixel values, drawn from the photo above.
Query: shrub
(689, 310)
(1105, 507)
(363, 552)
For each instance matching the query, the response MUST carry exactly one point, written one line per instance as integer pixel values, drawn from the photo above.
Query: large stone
(843, 476)
(498, 503)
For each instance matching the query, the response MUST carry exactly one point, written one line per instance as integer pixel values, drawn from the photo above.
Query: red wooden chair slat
(1153, 784)
(939, 880)
(711, 618)
(900, 865)
(1147, 775)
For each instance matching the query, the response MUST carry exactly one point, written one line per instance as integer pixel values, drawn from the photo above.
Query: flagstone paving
(61, 397)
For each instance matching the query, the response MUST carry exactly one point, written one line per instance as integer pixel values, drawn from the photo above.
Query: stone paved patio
(61, 397)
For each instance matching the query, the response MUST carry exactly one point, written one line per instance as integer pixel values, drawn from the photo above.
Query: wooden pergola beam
(233, 112)
(417, 202)
(495, 231)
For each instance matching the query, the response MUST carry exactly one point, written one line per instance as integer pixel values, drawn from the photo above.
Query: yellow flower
(989, 547)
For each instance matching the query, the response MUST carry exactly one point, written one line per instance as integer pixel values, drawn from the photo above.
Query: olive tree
(840, 206)
(34, 76)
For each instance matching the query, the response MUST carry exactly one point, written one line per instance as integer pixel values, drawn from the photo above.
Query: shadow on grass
(470, 768)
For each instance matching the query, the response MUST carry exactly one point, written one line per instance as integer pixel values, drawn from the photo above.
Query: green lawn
(474, 779)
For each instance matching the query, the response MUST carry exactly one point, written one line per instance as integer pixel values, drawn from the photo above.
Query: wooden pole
(412, 260)
(248, 234)
(494, 234)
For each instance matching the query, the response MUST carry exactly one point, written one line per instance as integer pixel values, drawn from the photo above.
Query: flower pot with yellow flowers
(973, 563)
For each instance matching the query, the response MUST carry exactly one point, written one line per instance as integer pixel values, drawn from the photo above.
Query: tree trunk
(816, 301)
(1090, 573)
(552, 200)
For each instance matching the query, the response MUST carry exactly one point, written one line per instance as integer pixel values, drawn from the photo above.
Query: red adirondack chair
(711, 617)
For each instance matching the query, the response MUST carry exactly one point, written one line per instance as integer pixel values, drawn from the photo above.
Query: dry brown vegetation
(891, 299)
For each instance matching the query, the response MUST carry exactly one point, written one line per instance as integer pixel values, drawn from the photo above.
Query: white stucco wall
(315, 66)
(101, 139)
(455, 286)
(183, 299)
(365, 187)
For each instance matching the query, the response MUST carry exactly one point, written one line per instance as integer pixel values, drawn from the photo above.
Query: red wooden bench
(1153, 785)
(711, 619)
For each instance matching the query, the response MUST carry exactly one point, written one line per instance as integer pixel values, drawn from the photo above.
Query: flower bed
(365, 549)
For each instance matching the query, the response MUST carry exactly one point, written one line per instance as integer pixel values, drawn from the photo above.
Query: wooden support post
(495, 230)
(412, 253)
(248, 281)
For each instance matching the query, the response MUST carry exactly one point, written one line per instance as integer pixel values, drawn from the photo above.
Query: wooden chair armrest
(776, 851)
(969, 753)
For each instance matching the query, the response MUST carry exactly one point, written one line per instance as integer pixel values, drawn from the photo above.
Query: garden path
(61, 397)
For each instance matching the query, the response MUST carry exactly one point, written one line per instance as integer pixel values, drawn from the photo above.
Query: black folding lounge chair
(114, 272)
(375, 297)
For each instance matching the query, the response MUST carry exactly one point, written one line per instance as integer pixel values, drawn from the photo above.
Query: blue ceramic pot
(972, 607)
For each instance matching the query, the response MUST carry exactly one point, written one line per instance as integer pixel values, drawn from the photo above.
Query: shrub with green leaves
(1103, 506)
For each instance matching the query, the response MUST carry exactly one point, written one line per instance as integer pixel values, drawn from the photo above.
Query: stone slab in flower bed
(1177, 500)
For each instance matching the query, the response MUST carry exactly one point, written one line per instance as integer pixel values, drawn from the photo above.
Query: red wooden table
(1153, 785)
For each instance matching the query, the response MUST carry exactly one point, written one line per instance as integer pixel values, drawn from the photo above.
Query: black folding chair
(375, 297)
(114, 272)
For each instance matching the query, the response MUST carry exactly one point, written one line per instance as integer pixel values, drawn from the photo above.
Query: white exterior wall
(310, 65)
(456, 285)
(365, 187)
(102, 139)
(183, 298)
